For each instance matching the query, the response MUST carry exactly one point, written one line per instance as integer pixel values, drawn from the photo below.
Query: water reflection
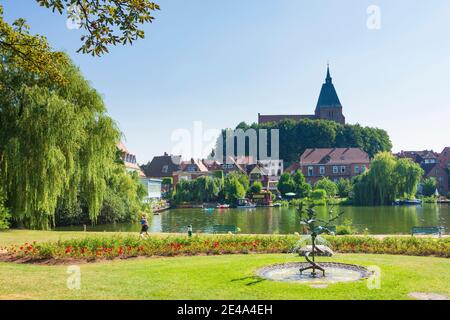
(378, 220)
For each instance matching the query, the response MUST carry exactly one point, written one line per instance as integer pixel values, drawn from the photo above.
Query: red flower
(68, 249)
(216, 244)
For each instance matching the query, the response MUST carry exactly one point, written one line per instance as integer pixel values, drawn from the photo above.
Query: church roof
(328, 96)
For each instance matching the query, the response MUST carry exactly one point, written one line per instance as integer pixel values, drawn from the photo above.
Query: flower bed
(127, 247)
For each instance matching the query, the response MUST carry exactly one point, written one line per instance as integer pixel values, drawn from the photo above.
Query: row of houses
(315, 164)
(435, 165)
(267, 172)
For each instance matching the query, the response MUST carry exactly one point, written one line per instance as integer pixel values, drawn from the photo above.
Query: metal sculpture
(308, 218)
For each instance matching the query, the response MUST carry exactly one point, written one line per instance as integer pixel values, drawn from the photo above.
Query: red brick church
(328, 107)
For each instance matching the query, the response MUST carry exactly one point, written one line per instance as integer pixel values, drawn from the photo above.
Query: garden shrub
(4, 213)
(319, 194)
(109, 247)
(327, 185)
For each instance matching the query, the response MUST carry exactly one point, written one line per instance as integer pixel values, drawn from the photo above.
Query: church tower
(329, 107)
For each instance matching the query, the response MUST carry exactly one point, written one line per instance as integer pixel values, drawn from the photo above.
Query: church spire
(328, 97)
(328, 79)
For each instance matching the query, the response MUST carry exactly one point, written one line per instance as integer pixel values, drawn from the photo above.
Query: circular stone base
(334, 272)
(426, 296)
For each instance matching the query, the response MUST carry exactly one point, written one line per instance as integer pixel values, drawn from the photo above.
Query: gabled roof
(334, 156)
(157, 167)
(257, 168)
(418, 156)
(212, 164)
(328, 97)
(239, 164)
(199, 164)
(429, 167)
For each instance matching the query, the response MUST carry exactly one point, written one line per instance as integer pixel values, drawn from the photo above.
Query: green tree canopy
(4, 213)
(429, 186)
(233, 189)
(386, 180)
(297, 136)
(302, 188)
(55, 140)
(319, 194)
(327, 185)
(286, 184)
(207, 189)
(256, 187)
(344, 187)
(105, 22)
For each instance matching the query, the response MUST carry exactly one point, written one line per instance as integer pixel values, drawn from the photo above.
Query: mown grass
(218, 277)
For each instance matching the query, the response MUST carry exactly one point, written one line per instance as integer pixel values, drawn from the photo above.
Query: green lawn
(217, 277)
(208, 277)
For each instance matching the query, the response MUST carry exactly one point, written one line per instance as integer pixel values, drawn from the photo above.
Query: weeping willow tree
(55, 140)
(387, 180)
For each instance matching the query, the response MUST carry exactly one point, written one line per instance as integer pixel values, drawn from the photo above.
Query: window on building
(165, 169)
(335, 169)
(363, 168)
(310, 171)
(322, 170)
(357, 169)
(343, 169)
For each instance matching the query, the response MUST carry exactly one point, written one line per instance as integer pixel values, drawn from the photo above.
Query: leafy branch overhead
(106, 22)
(29, 52)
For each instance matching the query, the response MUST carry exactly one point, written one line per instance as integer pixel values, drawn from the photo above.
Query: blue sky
(221, 62)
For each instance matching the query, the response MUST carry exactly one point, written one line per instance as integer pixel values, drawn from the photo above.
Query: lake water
(378, 220)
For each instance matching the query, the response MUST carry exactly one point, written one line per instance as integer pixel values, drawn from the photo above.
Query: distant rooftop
(334, 156)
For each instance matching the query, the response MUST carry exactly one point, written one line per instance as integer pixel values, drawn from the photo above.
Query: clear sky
(221, 62)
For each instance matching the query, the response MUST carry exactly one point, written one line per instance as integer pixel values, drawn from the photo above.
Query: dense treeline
(297, 136)
(208, 189)
(57, 149)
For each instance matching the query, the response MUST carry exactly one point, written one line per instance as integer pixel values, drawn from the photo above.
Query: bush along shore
(105, 247)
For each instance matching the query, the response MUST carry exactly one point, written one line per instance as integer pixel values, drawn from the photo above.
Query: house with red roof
(435, 165)
(129, 160)
(333, 163)
(190, 170)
